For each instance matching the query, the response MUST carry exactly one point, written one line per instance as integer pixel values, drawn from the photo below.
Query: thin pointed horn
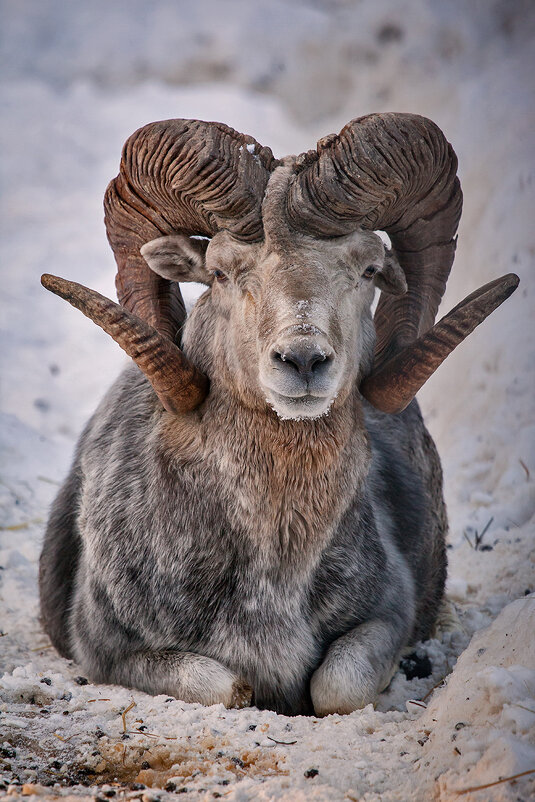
(177, 383)
(393, 387)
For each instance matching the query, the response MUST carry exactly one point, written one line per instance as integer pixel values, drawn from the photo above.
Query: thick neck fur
(284, 484)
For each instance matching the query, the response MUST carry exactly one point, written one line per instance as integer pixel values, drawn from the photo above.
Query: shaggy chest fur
(284, 485)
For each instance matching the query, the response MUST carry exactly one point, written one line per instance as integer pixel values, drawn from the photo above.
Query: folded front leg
(185, 675)
(357, 667)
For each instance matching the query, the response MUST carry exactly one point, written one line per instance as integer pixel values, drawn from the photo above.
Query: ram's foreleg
(358, 666)
(185, 675)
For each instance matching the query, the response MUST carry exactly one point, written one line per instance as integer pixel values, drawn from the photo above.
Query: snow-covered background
(77, 79)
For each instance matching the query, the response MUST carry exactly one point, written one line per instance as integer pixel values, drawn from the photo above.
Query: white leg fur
(185, 675)
(201, 679)
(356, 668)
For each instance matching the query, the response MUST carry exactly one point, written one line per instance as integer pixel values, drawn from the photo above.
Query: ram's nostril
(319, 360)
(287, 359)
(283, 361)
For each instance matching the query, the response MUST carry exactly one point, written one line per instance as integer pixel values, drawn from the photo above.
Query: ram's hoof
(242, 694)
(447, 619)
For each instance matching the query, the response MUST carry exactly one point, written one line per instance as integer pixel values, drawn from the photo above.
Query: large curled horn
(397, 173)
(176, 176)
(394, 172)
(180, 177)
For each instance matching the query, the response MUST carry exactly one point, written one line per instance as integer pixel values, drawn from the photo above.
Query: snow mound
(485, 716)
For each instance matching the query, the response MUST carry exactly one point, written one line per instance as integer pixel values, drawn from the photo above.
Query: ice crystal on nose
(303, 309)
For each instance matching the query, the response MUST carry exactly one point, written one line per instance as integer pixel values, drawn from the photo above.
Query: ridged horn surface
(180, 176)
(178, 384)
(393, 387)
(397, 173)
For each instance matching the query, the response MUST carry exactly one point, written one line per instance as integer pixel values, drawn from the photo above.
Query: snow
(77, 80)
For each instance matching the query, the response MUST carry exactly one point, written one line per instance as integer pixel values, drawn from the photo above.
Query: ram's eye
(369, 272)
(220, 276)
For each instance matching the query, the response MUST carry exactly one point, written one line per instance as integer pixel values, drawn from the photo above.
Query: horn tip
(57, 285)
(50, 282)
(510, 282)
(503, 287)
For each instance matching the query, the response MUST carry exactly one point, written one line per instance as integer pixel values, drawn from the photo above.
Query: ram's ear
(177, 258)
(391, 278)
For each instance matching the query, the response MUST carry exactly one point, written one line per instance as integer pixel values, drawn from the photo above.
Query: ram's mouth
(299, 407)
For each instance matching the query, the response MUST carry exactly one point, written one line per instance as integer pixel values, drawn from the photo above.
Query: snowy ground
(77, 80)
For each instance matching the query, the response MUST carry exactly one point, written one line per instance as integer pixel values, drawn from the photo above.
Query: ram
(254, 514)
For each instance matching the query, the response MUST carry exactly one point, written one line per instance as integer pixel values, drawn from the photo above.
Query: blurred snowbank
(314, 55)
